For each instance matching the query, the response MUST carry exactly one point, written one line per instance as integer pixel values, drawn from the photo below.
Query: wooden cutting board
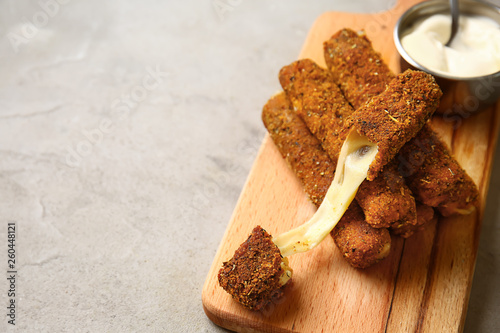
(424, 284)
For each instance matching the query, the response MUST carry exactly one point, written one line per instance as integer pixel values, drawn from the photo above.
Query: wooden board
(424, 284)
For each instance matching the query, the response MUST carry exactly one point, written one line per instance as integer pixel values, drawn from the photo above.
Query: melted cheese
(287, 272)
(355, 158)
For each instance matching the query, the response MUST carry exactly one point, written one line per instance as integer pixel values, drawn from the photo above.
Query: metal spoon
(455, 13)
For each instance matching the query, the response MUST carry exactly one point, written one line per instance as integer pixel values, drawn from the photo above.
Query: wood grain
(424, 284)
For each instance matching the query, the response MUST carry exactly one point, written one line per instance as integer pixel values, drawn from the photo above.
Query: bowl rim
(413, 62)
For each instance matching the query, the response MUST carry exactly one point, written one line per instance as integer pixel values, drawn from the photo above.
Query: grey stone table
(127, 130)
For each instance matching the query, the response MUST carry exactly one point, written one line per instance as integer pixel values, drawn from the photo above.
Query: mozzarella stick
(258, 261)
(424, 214)
(301, 150)
(318, 101)
(434, 176)
(356, 67)
(388, 200)
(396, 115)
(360, 252)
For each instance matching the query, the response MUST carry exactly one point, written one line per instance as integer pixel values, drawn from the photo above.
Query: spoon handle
(455, 13)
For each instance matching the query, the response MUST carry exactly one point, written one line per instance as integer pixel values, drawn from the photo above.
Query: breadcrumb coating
(318, 101)
(395, 116)
(360, 244)
(253, 275)
(424, 215)
(435, 177)
(387, 201)
(301, 150)
(356, 67)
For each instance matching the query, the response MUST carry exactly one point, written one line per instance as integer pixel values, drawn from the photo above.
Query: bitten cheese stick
(361, 73)
(407, 103)
(258, 269)
(257, 272)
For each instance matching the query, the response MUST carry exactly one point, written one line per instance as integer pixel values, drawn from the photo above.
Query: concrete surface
(127, 130)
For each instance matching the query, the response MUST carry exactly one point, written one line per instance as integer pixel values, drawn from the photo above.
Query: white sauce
(475, 50)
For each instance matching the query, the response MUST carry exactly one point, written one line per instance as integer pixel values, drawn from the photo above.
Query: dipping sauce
(475, 50)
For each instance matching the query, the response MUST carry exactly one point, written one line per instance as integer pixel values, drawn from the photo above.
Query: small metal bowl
(462, 96)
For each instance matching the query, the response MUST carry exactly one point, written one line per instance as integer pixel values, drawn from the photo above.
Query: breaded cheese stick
(324, 110)
(362, 74)
(360, 252)
(424, 214)
(259, 261)
(396, 115)
(388, 199)
(435, 177)
(356, 67)
(312, 165)
(301, 150)
(318, 101)
(451, 192)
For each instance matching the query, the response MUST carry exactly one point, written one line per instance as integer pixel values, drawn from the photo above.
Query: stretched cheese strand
(356, 155)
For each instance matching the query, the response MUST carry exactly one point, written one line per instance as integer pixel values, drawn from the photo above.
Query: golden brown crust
(387, 201)
(252, 275)
(356, 67)
(424, 215)
(318, 101)
(301, 150)
(360, 251)
(435, 177)
(393, 117)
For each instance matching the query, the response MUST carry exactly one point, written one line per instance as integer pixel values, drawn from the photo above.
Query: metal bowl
(462, 96)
